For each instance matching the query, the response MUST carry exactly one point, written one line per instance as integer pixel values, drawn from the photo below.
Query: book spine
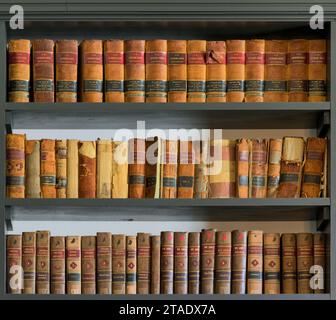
(72, 169)
(131, 264)
(143, 263)
(118, 264)
(33, 169)
(305, 260)
(201, 167)
(42, 262)
(57, 265)
(66, 70)
(104, 263)
(186, 170)
(238, 266)
(14, 263)
(73, 264)
(169, 169)
(29, 261)
(104, 169)
(88, 268)
(208, 245)
(61, 168)
(243, 147)
(48, 168)
(271, 263)
(167, 262)
(114, 61)
(259, 164)
(177, 70)
(223, 263)
(151, 166)
(180, 262)
(319, 242)
(194, 262)
(155, 264)
(288, 254)
(87, 169)
(119, 169)
(255, 262)
(18, 70)
(273, 175)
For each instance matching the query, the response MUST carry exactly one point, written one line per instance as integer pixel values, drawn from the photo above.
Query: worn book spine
(57, 265)
(288, 263)
(72, 169)
(88, 260)
(18, 70)
(177, 70)
(131, 265)
(194, 241)
(169, 169)
(201, 167)
(152, 164)
(186, 170)
(14, 263)
(87, 169)
(48, 168)
(118, 264)
(143, 263)
(135, 70)
(32, 178)
(167, 262)
(119, 169)
(223, 263)
(196, 70)
(255, 262)
(42, 262)
(29, 261)
(43, 70)
(243, 150)
(15, 165)
(155, 264)
(180, 262)
(73, 265)
(208, 244)
(114, 61)
(238, 264)
(305, 260)
(104, 168)
(66, 70)
(274, 160)
(319, 242)
(104, 263)
(271, 263)
(61, 168)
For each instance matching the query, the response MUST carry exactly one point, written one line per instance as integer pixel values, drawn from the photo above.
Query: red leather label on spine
(275, 58)
(297, 58)
(235, 58)
(196, 58)
(66, 58)
(177, 58)
(317, 58)
(73, 253)
(13, 154)
(93, 58)
(57, 254)
(19, 58)
(255, 58)
(156, 57)
(114, 58)
(43, 57)
(135, 57)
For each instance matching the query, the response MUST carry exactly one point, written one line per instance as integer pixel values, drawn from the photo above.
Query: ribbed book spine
(104, 168)
(255, 262)
(13, 262)
(32, 178)
(223, 263)
(305, 260)
(104, 263)
(288, 267)
(131, 264)
(72, 169)
(119, 169)
(194, 240)
(319, 242)
(186, 170)
(208, 245)
(143, 263)
(274, 160)
(152, 163)
(167, 262)
(155, 264)
(271, 263)
(73, 264)
(87, 169)
(48, 168)
(201, 167)
(61, 168)
(238, 264)
(57, 265)
(42, 262)
(243, 148)
(88, 260)
(29, 261)
(118, 264)
(180, 262)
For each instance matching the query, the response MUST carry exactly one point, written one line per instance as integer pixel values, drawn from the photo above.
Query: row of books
(180, 71)
(156, 168)
(208, 262)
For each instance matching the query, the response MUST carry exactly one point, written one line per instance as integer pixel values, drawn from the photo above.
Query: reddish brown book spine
(14, 263)
(73, 264)
(131, 264)
(143, 263)
(238, 264)
(223, 262)
(305, 260)
(29, 261)
(57, 265)
(167, 262)
(48, 168)
(61, 168)
(208, 245)
(319, 240)
(255, 262)
(180, 262)
(155, 264)
(271, 263)
(118, 264)
(104, 263)
(42, 262)
(193, 262)
(273, 175)
(88, 264)
(288, 263)
(87, 169)
(243, 165)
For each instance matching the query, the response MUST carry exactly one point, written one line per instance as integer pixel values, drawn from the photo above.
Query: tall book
(48, 168)
(119, 169)
(255, 262)
(73, 265)
(208, 245)
(131, 264)
(288, 263)
(88, 268)
(274, 160)
(114, 61)
(243, 153)
(57, 265)
(118, 264)
(14, 275)
(18, 70)
(180, 262)
(271, 263)
(104, 168)
(194, 242)
(104, 263)
(223, 263)
(61, 168)
(72, 169)
(155, 264)
(167, 262)
(153, 147)
(32, 178)
(305, 260)
(186, 170)
(87, 169)
(42, 262)
(238, 263)
(143, 263)
(319, 243)
(29, 261)
(201, 169)
(177, 70)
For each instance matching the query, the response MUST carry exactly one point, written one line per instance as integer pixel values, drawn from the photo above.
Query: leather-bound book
(319, 242)
(135, 70)
(291, 167)
(15, 165)
(118, 264)
(13, 263)
(87, 169)
(255, 262)
(155, 264)
(114, 70)
(180, 262)
(88, 277)
(274, 160)
(216, 71)
(104, 168)
(288, 263)
(43, 70)
(243, 149)
(18, 70)
(238, 263)
(66, 70)
(305, 260)
(313, 168)
(317, 70)
(143, 263)
(153, 167)
(72, 169)
(196, 70)
(194, 262)
(29, 261)
(91, 71)
(208, 245)
(61, 168)
(104, 263)
(297, 70)
(73, 265)
(42, 262)
(57, 265)
(276, 71)
(223, 263)
(235, 70)
(119, 169)
(32, 178)
(201, 170)
(177, 70)
(167, 262)
(131, 264)
(271, 263)
(186, 170)
(48, 168)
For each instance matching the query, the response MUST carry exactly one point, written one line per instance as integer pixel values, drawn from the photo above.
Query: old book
(196, 70)
(167, 262)
(271, 263)
(61, 168)
(180, 262)
(43, 70)
(29, 261)
(194, 262)
(66, 70)
(155, 264)
(243, 153)
(177, 70)
(238, 263)
(131, 265)
(57, 265)
(305, 260)
(104, 168)
(319, 243)
(119, 169)
(48, 168)
(14, 274)
(288, 263)
(87, 169)
(276, 71)
(88, 268)
(313, 168)
(18, 70)
(15, 165)
(73, 265)
(255, 262)
(201, 169)
(216, 71)
(42, 262)
(186, 170)
(118, 264)
(91, 71)
(135, 70)
(114, 70)
(104, 263)
(143, 263)
(317, 70)
(32, 178)
(274, 160)
(223, 263)
(208, 244)
(72, 169)
(297, 70)
(153, 146)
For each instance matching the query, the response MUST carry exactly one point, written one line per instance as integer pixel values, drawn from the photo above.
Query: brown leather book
(57, 265)
(131, 264)
(196, 70)
(288, 263)
(88, 265)
(72, 169)
(114, 70)
(177, 70)
(243, 150)
(61, 168)
(180, 262)
(223, 262)
(91, 71)
(155, 264)
(313, 168)
(104, 263)
(208, 245)
(271, 263)
(274, 160)
(167, 262)
(118, 264)
(13, 263)
(255, 262)
(238, 263)
(104, 168)
(43, 70)
(201, 180)
(15, 165)
(33, 169)
(186, 170)
(119, 169)
(194, 240)
(18, 70)
(48, 168)
(305, 260)
(87, 169)
(152, 162)
(143, 263)
(66, 70)
(29, 261)
(319, 242)
(276, 71)
(73, 265)
(42, 262)
(135, 70)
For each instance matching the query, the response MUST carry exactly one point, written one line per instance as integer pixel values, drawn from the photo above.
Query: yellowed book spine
(104, 169)
(72, 169)
(119, 169)
(61, 168)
